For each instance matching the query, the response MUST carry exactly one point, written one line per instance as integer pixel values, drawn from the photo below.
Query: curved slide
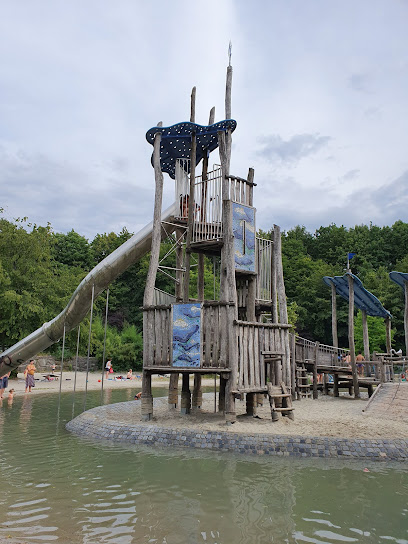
(79, 305)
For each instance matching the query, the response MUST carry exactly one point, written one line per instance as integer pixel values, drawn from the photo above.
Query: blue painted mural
(186, 335)
(243, 227)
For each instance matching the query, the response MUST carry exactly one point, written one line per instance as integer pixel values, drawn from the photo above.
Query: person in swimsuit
(3, 384)
(29, 376)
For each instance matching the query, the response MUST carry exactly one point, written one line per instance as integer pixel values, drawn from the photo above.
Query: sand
(327, 416)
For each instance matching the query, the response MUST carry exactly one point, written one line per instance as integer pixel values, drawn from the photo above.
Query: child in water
(10, 396)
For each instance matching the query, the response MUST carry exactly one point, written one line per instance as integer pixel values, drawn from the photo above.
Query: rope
(76, 369)
(89, 346)
(104, 343)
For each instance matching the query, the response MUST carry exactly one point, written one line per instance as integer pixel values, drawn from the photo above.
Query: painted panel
(243, 227)
(187, 335)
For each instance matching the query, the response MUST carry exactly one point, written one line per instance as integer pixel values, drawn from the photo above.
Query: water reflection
(58, 487)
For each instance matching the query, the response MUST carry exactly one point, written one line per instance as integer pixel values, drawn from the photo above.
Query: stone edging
(99, 423)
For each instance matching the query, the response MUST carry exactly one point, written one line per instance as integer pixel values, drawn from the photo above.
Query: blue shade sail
(176, 141)
(363, 299)
(399, 278)
(186, 335)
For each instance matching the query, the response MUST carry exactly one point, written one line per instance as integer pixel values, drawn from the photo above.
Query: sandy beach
(327, 416)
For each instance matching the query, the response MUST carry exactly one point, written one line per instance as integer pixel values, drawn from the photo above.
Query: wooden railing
(255, 341)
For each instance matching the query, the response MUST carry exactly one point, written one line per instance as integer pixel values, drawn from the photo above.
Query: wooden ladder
(280, 401)
(302, 385)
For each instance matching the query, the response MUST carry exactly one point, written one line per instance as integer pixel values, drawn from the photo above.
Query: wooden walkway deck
(389, 400)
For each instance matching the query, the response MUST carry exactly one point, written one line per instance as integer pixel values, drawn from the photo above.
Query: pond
(58, 487)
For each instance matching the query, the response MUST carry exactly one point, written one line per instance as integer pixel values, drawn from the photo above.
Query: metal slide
(80, 303)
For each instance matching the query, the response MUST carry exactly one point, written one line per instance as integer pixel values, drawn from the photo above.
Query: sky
(319, 95)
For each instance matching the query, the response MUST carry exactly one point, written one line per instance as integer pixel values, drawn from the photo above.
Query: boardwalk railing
(327, 355)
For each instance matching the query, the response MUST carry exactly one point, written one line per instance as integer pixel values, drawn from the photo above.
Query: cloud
(350, 175)
(291, 151)
(70, 196)
(360, 82)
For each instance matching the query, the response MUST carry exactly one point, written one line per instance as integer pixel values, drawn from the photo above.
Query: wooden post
(148, 328)
(351, 337)
(179, 265)
(388, 334)
(228, 292)
(293, 363)
(274, 295)
(316, 355)
(382, 369)
(283, 310)
(366, 341)
(156, 232)
(228, 115)
(204, 178)
(147, 397)
(334, 317)
(191, 204)
(197, 400)
(336, 385)
(250, 404)
(251, 299)
(185, 394)
(221, 394)
(173, 391)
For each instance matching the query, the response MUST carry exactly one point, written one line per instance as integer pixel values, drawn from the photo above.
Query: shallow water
(57, 487)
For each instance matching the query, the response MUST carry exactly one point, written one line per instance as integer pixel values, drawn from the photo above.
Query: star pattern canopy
(176, 141)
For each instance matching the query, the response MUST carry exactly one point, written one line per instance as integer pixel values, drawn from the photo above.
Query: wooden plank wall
(214, 337)
(253, 339)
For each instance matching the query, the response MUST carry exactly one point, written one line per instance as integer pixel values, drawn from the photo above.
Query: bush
(125, 348)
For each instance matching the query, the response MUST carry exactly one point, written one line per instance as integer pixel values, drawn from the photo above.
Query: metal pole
(89, 345)
(76, 369)
(104, 342)
(62, 360)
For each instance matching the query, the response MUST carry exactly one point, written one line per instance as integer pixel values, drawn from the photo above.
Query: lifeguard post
(214, 216)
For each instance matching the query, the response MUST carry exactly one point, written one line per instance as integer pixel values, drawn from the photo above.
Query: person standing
(4, 384)
(29, 376)
(360, 365)
(108, 367)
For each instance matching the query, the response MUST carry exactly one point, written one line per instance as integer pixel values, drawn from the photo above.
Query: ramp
(390, 400)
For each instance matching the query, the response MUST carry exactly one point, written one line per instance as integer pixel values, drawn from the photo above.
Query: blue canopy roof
(176, 141)
(399, 277)
(363, 299)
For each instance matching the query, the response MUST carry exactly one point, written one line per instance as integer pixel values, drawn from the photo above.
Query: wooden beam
(366, 339)
(351, 337)
(156, 232)
(334, 316)
(388, 334)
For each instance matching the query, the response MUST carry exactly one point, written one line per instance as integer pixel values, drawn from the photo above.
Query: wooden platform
(389, 400)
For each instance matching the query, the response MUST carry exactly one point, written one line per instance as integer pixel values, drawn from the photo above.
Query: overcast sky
(320, 95)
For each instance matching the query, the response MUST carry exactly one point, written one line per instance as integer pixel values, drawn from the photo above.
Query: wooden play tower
(242, 334)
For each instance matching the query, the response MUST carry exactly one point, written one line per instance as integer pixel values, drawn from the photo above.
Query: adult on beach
(108, 367)
(4, 384)
(29, 376)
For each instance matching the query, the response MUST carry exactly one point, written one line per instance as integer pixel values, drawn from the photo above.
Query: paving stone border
(99, 423)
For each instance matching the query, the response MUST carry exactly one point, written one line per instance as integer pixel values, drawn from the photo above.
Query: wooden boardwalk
(389, 400)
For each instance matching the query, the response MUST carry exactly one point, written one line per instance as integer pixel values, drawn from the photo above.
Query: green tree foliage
(125, 348)
(39, 271)
(376, 333)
